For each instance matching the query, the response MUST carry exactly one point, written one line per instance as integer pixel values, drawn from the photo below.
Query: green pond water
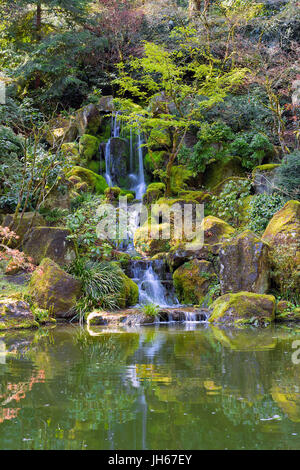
(166, 387)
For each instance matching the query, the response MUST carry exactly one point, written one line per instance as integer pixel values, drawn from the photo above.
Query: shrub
(262, 208)
(150, 310)
(229, 204)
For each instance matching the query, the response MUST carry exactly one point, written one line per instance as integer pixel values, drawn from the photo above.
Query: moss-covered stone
(154, 192)
(21, 226)
(283, 236)
(49, 242)
(88, 120)
(16, 314)
(88, 147)
(54, 290)
(244, 264)
(148, 243)
(94, 166)
(112, 194)
(95, 182)
(243, 308)
(193, 280)
(216, 231)
(129, 294)
(218, 171)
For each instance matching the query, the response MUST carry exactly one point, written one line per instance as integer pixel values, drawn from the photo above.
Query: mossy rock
(193, 280)
(95, 182)
(88, 120)
(283, 236)
(243, 308)
(129, 294)
(244, 262)
(201, 197)
(54, 290)
(16, 314)
(216, 231)
(218, 171)
(88, 147)
(21, 226)
(149, 244)
(112, 194)
(49, 242)
(81, 187)
(154, 192)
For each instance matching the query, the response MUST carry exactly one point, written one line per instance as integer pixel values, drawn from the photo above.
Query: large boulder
(192, 281)
(88, 120)
(244, 264)
(55, 290)
(243, 308)
(148, 245)
(283, 236)
(216, 232)
(21, 226)
(61, 130)
(15, 314)
(218, 171)
(49, 242)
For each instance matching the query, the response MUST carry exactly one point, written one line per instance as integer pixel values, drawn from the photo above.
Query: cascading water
(155, 285)
(115, 132)
(138, 184)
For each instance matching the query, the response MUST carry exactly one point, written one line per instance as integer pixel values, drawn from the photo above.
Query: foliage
(150, 310)
(16, 259)
(159, 78)
(252, 148)
(83, 226)
(262, 208)
(101, 284)
(288, 176)
(229, 204)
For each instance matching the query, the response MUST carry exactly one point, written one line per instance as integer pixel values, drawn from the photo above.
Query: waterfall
(155, 285)
(115, 132)
(138, 180)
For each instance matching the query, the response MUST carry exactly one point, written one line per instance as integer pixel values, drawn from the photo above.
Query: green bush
(262, 208)
(228, 205)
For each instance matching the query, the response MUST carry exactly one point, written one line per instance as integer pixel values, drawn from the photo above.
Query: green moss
(218, 171)
(267, 167)
(112, 193)
(95, 182)
(94, 166)
(88, 147)
(286, 221)
(192, 281)
(243, 308)
(129, 294)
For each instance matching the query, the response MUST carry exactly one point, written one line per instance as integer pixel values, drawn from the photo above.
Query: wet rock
(243, 308)
(96, 183)
(88, 120)
(244, 264)
(192, 281)
(53, 289)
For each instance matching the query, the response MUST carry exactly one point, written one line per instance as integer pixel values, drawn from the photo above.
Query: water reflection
(161, 387)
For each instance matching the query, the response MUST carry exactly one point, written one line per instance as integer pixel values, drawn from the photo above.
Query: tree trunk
(38, 28)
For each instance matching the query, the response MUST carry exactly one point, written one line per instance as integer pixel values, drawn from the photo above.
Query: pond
(189, 386)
